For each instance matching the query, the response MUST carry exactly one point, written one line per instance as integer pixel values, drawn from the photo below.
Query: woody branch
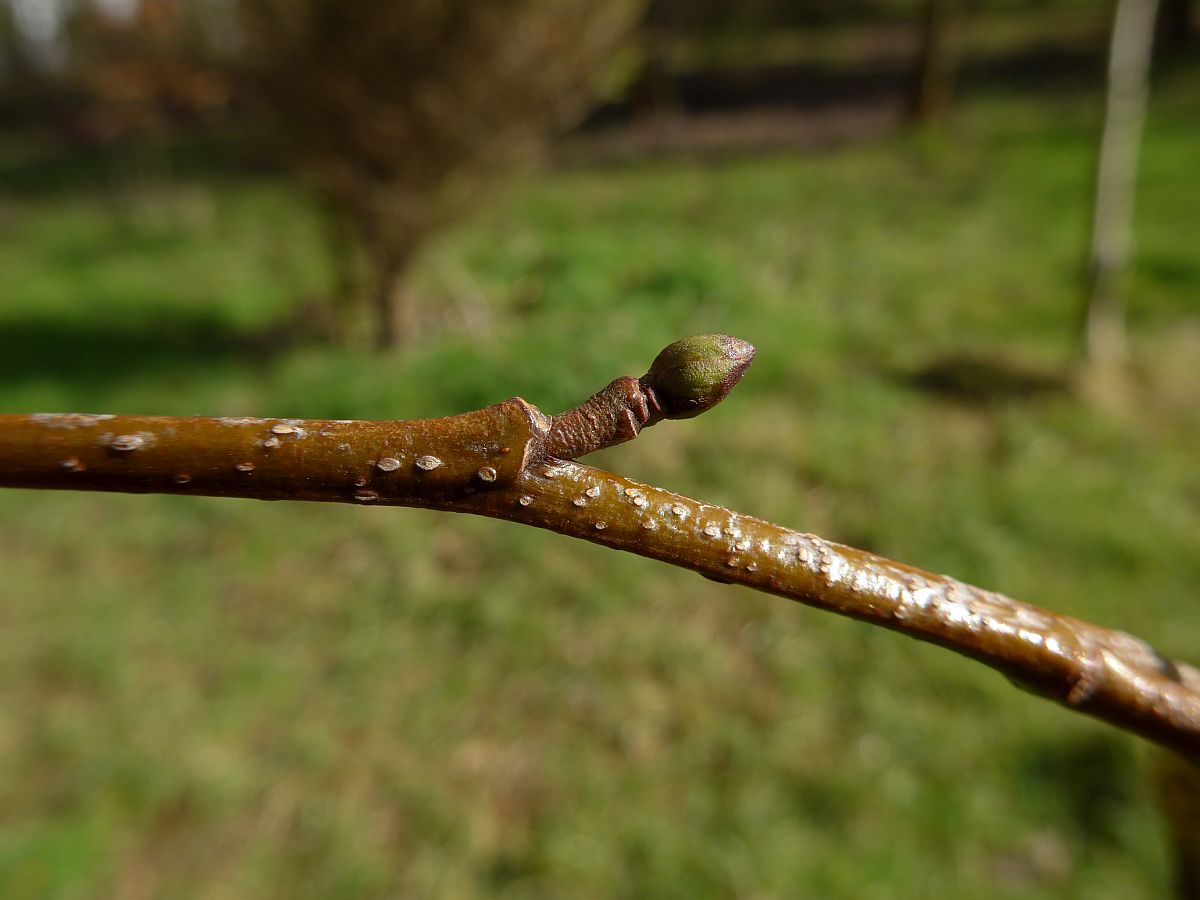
(510, 461)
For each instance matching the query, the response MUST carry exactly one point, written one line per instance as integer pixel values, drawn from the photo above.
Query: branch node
(687, 378)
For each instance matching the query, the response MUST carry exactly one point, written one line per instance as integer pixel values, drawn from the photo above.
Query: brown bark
(496, 462)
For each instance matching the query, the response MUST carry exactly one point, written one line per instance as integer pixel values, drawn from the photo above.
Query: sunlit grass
(204, 697)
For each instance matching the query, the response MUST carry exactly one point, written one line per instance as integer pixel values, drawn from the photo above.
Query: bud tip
(696, 373)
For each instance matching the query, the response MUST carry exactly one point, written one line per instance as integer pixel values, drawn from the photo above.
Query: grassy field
(207, 698)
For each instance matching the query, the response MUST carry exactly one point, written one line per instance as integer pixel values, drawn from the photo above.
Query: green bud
(695, 374)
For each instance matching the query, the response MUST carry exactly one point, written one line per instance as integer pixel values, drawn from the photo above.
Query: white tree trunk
(1112, 222)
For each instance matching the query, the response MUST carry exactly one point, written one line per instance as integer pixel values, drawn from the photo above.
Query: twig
(509, 461)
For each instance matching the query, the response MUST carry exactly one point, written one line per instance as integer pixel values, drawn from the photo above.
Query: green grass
(204, 698)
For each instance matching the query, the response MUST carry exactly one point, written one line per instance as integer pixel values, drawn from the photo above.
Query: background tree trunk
(653, 91)
(389, 302)
(346, 275)
(937, 62)
(1116, 177)
(1179, 799)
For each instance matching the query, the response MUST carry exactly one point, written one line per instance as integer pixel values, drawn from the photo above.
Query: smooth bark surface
(497, 462)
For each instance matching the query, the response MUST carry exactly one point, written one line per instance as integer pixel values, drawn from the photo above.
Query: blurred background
(366, 209)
